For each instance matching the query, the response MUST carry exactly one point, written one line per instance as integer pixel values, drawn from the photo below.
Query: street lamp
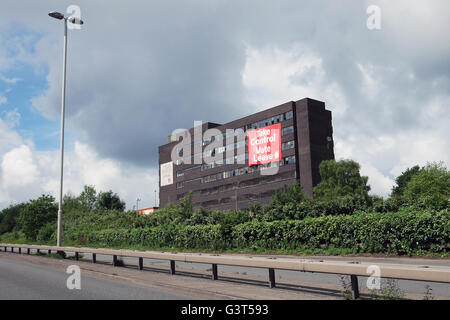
(137, 203)
(74, 20)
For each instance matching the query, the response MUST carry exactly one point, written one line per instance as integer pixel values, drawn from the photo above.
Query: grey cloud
(140, 70)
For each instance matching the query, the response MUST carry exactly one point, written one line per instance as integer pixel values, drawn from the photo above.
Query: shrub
(402, 232)
(36, 214)
(177, 236)
(47, 233)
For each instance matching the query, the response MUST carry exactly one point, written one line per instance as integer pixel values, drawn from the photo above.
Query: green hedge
(404, 232)
(176, 236)
(400, 233)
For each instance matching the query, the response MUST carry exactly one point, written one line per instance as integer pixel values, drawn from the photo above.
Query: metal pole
(63, 102)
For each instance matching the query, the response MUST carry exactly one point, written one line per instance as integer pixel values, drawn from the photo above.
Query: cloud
(9, 80)
(26, 173)
(9, 138)
(3, 100)
(130, 84)
(11, 118)
(18, 168)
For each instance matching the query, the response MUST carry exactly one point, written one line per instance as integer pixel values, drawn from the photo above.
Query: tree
(110, 201)
(341, 178)
(88, 197)
(292, 194)
(402, 181)
(8, 218)
(36, 214)
(430, 187)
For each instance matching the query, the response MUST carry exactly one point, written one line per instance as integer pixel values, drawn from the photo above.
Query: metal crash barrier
(350, 268)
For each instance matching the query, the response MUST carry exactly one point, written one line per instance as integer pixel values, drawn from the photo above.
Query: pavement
(34, 277)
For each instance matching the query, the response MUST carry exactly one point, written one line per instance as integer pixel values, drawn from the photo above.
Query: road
(416, 287)
(21, 280)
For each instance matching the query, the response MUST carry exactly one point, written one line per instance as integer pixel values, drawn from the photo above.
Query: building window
(289, 115)
(287, 145)
(287, 130)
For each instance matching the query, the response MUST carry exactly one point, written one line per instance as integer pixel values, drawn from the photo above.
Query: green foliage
(47, 233)
(36, 214)
(404, 232)
(346, 205)
(293, 194)
(88, 197)
(341, 219)
(8, 218)
(389, 291)
(110, 201)
(430, 187)
(186, 206)
(340, 178)
(402, 181)
(176, 236)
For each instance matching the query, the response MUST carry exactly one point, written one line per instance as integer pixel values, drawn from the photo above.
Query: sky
(138, 71)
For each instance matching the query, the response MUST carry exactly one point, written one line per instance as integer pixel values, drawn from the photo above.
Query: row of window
(240, 198)
(232, 160)
(238, 172)
(209, 153)
(180, 173)
(240, 185)
(251, 126)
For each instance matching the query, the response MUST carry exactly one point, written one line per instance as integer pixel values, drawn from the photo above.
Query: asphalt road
(36, 282)
(19, 280)
(416, 287)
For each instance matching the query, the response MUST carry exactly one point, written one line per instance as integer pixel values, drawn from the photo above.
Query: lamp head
(56, 15)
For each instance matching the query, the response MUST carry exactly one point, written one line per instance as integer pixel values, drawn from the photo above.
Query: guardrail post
(114, 260)
(20, 250)
(214, 272)
(271, 278)
(172, 267)
(49, 252)
(94, 257)
(77, 257)
(12, 249)
(28, 250)
(5, 249)
(141, 263)
(38, 251)
(355, 289)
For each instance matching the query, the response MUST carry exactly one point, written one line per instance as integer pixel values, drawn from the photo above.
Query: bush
(402, 232)
(176, 236)
(346, 205)
(47, 233)
(36, 214)
(430, 187)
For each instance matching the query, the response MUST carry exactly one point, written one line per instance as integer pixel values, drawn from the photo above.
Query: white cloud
(273, 76)
(9, 138)
(3, 100)
(18, 169)
(387, 89)
(27, 173)
(9, 80)
(11, 117)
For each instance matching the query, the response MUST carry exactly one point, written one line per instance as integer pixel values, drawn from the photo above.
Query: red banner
(264, 145)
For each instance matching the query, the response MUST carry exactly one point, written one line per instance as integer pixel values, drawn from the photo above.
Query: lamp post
(74, 20)
(137, 204)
